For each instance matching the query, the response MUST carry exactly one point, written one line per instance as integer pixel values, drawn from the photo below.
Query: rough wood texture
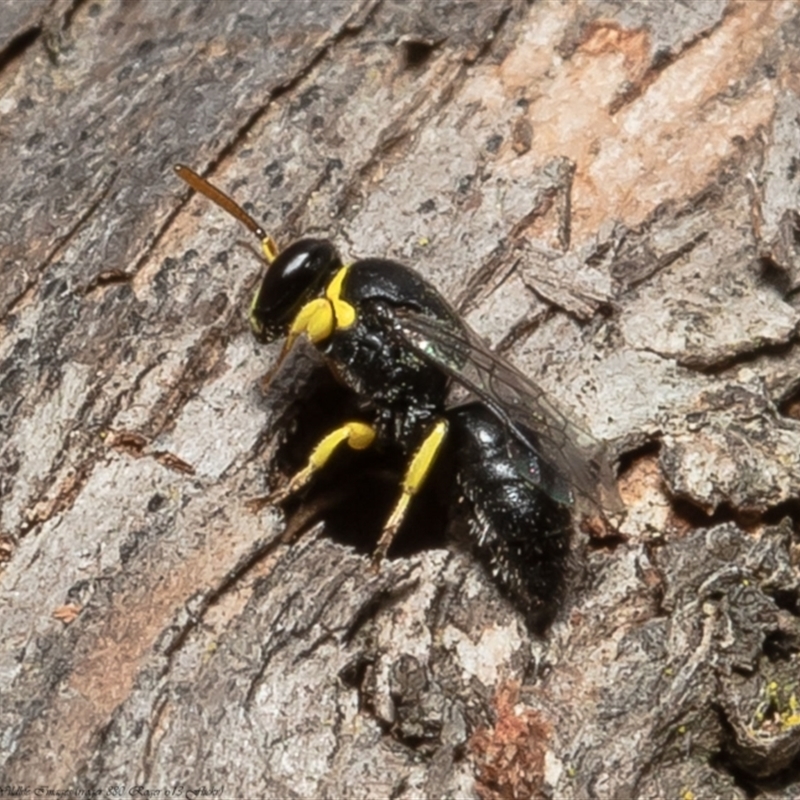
(607, 190)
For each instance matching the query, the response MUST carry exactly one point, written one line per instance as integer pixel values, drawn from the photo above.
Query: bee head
(294, 276)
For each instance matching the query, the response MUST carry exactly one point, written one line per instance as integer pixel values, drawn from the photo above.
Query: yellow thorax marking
(343, 312)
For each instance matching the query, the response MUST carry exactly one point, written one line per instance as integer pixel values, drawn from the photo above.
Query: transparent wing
(532, 417)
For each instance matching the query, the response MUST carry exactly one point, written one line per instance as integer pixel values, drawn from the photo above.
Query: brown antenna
(268, 246)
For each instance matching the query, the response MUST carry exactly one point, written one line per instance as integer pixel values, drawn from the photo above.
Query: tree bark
(608, 192)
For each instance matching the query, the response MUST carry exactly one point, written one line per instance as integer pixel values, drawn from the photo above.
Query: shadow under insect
(356, 490)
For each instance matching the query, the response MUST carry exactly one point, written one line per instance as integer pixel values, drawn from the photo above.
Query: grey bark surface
(607, 191)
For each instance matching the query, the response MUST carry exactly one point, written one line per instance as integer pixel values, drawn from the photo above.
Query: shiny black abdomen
(522, 533)
(405, 391)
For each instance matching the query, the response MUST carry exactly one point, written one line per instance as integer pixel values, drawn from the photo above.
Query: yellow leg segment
(415, 476)
(358, 435)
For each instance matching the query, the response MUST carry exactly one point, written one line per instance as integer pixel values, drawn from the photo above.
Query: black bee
(390, 337)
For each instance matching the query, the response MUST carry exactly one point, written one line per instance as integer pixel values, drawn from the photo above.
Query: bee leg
(415, 476)
(358, 435)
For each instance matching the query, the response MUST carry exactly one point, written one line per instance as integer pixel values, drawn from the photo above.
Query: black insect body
(406, 391)
(520, 531)
(395, 342)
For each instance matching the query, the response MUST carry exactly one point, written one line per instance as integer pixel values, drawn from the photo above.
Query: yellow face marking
(255, 325)
(270, 252)
(345, 313)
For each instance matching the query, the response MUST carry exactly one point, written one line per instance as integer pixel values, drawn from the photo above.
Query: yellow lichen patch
(779, 710)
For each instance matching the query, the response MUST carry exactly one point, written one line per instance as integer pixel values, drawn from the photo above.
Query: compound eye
(298, 274)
